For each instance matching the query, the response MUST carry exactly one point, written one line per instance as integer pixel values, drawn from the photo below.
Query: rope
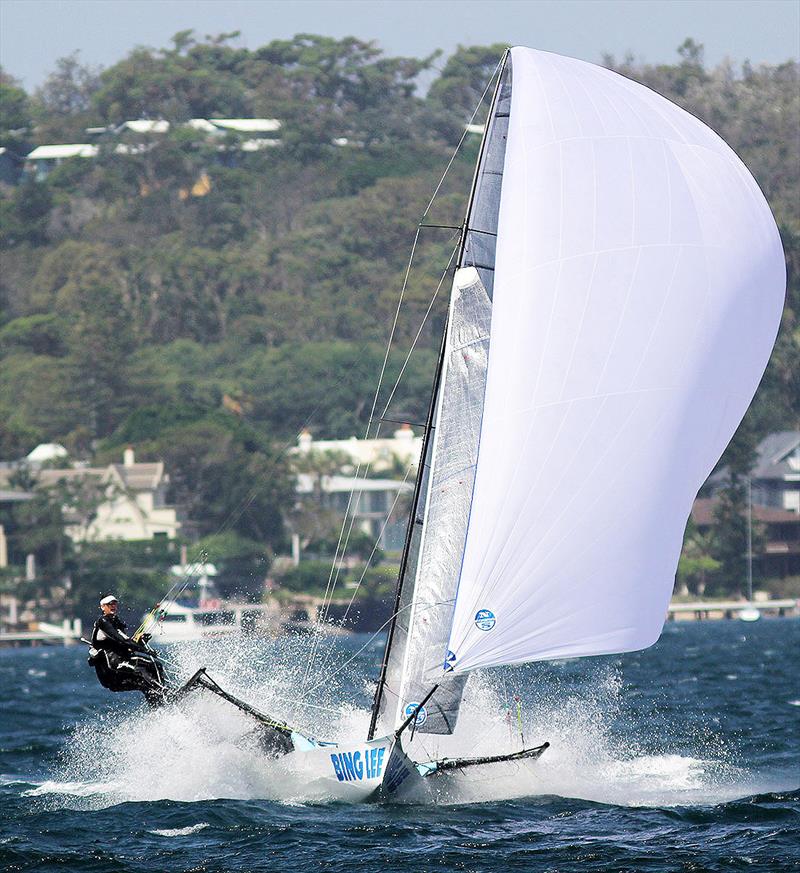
(397, 313)
(326, 663)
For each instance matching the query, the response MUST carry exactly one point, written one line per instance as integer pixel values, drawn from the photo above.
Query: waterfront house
(401, 450)
(126, 501)
(45, 158)
(781, 529)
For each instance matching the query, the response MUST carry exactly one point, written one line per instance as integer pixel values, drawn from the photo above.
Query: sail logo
(485, 620)
(355, 767)
(449, 661)
(422, 715)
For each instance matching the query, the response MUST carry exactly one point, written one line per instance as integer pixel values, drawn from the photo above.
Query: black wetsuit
(109, 634)
(122, 664)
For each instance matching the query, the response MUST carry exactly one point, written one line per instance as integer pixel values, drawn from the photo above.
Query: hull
(360, 772)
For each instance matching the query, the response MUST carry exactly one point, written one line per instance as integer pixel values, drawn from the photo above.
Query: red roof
(703, 513)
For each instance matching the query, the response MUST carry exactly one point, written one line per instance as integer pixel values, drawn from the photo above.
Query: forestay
(638, 286)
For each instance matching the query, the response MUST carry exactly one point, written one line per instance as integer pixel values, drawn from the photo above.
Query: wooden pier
(713, 609)
(42, 633)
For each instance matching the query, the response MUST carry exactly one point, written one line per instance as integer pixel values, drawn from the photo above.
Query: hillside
(205, 301)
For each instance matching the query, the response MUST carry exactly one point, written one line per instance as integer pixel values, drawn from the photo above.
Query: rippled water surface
(685, 757)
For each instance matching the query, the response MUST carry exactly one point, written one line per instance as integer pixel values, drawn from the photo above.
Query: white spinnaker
(639, 282)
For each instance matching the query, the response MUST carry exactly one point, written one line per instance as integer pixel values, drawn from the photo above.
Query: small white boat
(749, 613)
(176, 623)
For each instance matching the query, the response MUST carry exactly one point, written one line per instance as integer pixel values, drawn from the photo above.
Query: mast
(430, 424)
(750, 539)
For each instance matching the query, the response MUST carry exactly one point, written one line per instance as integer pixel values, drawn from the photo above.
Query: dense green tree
(38, 399)
(24, 216)
(15, 109)
(186, 81)
(99, 338)
(329, 89)
(456, 93)
(226, 475)
(16, 119)
(697, 567)
(63, 104)
(38, 334)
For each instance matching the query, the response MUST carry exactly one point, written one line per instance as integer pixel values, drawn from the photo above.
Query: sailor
(121, 663)
(109, 630)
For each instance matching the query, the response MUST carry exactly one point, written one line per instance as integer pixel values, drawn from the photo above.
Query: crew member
(122, 664)
(109, 630)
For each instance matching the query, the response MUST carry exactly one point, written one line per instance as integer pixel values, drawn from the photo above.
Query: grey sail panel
(447, 509)
(481, 233)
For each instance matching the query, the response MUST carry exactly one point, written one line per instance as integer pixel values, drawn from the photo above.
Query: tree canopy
(206, 301)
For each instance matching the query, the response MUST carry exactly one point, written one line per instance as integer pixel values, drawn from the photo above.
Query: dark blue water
(685, 757)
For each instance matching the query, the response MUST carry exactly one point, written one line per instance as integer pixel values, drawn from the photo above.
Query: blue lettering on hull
(396, 774)
(355, 766)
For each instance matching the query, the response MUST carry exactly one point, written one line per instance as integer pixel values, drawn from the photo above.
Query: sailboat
(750, 612)
(618, 289)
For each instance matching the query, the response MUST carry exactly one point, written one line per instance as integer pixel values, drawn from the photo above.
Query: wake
(203, 749)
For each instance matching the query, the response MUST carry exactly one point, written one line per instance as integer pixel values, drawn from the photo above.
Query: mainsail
(638, 288)
(426, 590)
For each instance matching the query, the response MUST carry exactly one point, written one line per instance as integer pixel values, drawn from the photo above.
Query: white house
(45, 158)
(380, 454)
(135, 505)
(137, 508)
(372, 503)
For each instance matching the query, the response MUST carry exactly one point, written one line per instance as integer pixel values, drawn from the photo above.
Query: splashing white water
(203, 748)
(180, 832)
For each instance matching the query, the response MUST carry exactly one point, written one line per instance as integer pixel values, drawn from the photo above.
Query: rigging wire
(326, 679)
(178, 587)
(335, 569)
(333, 578)
(326, 605)
(419, 332)
(326, 663)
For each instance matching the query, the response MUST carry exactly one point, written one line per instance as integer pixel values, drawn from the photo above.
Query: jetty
(716, 609)
(44, 633)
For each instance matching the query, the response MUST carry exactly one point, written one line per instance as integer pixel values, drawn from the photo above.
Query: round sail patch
(485, 620)
(422, 715)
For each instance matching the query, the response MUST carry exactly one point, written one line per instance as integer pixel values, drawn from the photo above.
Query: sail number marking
(422, 715)
(354, 767)
(485, 620)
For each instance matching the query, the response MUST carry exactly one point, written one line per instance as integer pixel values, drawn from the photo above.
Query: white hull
(360, 772)
(750, 613)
